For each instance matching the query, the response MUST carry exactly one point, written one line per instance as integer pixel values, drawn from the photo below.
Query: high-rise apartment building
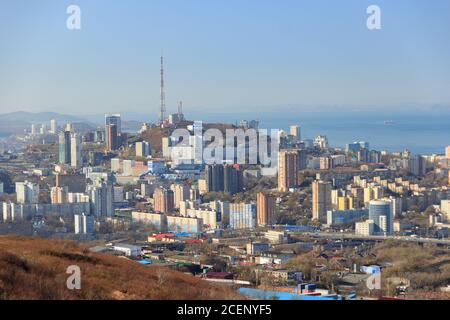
(118, 193)
(163, 200)
(321, 142)
(396, 206)
(356, 146)
(59, 194)
(220, 178)
(147, 189)
(296, 132)
(180, 193)
(142, 149)
(287, 169)
(381, 214)
(43, 129)
(233, 180)
(83, 224)
(363, 155)
(76, 160)
(27, 192)
(70, 127)
(33, 129)
(214, 178)
(325, 163)
(415, 164)
(114, 119)
(321, 202)
(242, 216)
(346, 203)
(365, 228)
(53, 126)
(65, 147)
(70, 146)
(302, 159)
(265, 209)
(184, 224)
(101, 194)
(111, 137)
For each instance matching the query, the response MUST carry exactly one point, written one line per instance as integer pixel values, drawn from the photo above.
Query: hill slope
(36, 269)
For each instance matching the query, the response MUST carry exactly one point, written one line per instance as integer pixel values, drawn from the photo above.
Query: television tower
(180, 110)
(163, 95)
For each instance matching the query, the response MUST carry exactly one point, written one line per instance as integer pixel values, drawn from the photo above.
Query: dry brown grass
(428, 267)
(36, 269)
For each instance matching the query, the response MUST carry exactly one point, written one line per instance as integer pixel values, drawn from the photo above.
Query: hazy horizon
(243, 111)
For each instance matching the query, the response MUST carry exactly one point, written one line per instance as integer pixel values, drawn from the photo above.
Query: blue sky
(221, 55)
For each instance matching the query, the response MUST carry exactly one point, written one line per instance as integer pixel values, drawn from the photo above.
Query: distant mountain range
(38, 118)
(17, 122)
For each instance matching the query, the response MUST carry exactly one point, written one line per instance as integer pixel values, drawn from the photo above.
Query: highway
(347, 236)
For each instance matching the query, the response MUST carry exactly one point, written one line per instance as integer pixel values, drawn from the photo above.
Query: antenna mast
(163, 95)
(180, 110)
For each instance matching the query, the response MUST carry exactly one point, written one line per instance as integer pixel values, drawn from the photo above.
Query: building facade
(321, 200)
(265, 209)
(242, 216)
(288, 164)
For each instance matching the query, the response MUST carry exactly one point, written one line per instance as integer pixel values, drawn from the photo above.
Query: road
(345, 236)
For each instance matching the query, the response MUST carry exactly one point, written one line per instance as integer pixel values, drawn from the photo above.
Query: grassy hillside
(36, 269)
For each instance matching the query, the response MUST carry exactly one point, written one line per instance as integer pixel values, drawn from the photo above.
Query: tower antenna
(163, 95)
(180, 109)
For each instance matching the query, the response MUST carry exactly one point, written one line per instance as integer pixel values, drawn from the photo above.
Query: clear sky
(222, 54)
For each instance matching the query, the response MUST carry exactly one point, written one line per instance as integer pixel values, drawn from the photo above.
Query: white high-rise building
(1, 188)
(396, 206)
(75, 151)
(43, 129)
(33, 129)
(53, 126)
(102, 198)
(84, 224)
(27, 192)
(69, 127)
(12, 212)
(197, 142)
